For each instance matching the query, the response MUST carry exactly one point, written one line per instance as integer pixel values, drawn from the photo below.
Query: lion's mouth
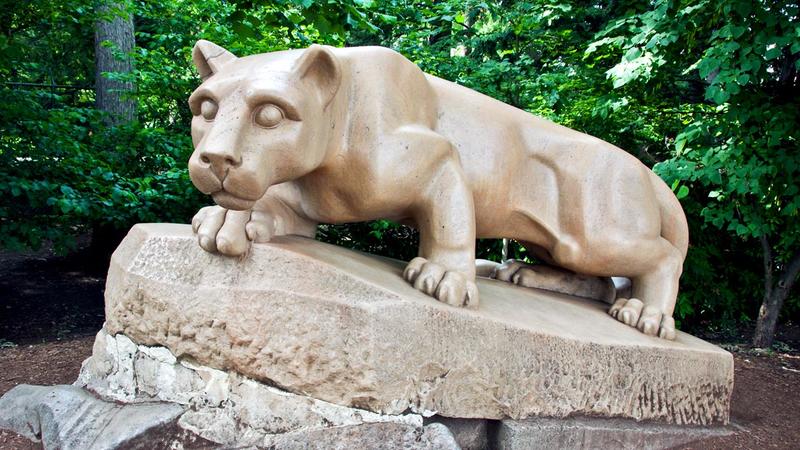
(227, 200)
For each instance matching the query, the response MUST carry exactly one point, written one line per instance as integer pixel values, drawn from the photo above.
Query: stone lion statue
(286, 140)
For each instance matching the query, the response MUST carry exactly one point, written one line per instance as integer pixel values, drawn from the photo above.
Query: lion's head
(259, 120)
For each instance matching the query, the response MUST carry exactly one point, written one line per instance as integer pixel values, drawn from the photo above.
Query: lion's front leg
(230, 232)
(445, 267)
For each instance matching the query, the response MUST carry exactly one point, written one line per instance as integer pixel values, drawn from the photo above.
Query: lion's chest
(348, 197)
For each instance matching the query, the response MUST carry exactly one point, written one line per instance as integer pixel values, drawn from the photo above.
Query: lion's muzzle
(220, 162)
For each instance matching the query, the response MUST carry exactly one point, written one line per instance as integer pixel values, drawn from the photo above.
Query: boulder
(67, 417)
(70, 418)
(375, 436)
(224, 407)
(584, 433)
(344, 327)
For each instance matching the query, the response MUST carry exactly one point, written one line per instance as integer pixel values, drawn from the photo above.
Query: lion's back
(386, 85)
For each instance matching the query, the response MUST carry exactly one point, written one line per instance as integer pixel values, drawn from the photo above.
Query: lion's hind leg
(556, 279)
(654, 289)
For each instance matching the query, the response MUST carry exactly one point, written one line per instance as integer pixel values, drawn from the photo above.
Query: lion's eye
(208, 109)
(268, 116)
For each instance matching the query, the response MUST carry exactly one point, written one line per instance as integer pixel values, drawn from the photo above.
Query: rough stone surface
(374, 436)
(222, 407)
(120, 370)
(344, 327)
(471, 434)
(595, 433)
(67, 417)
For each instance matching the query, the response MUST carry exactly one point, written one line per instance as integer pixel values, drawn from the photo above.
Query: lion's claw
(647, 319)
(230, 232)
(451, 287)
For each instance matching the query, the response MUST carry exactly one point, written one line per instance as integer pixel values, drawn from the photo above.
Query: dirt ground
(764, 407)
(44, 298)
(51, 307)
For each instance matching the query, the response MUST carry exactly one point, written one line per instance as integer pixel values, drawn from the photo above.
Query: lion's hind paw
(647, 319)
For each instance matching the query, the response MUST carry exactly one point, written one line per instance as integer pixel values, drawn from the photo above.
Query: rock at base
(222, 407)
(593, 433)
(375, 436)
(471, 434)
(67, 417)
(344, 327)
(70, 418)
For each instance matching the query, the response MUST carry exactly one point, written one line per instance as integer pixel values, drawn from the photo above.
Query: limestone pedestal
(301, 344)
(344, 327)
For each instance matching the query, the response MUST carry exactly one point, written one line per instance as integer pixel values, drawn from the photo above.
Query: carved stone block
(344, 327)
(586, 433)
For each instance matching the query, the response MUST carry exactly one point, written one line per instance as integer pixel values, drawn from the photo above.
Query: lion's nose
(220, 161)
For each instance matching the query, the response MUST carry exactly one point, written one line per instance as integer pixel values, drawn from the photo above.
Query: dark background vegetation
(705, 92)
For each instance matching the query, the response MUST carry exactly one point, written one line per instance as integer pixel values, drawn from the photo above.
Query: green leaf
(632, 54)
(707, 65)
(742, 230)
(683, 191)
(743, 79)
(772, 53)
(717, 94)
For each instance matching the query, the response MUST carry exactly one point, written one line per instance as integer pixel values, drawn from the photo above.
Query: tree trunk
(774, 295)
(768, 318)
(113, 43)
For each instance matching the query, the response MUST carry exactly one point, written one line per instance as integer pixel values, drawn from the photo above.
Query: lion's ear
(320, 66)
(209, 58)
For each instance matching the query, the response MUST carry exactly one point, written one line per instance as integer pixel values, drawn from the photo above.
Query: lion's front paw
(229, 232)
(451, 287)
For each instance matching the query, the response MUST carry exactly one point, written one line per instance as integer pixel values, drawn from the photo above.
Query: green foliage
(729, 71)
(63, 171)
(704, 91)
(739, 140)
(380, 237)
